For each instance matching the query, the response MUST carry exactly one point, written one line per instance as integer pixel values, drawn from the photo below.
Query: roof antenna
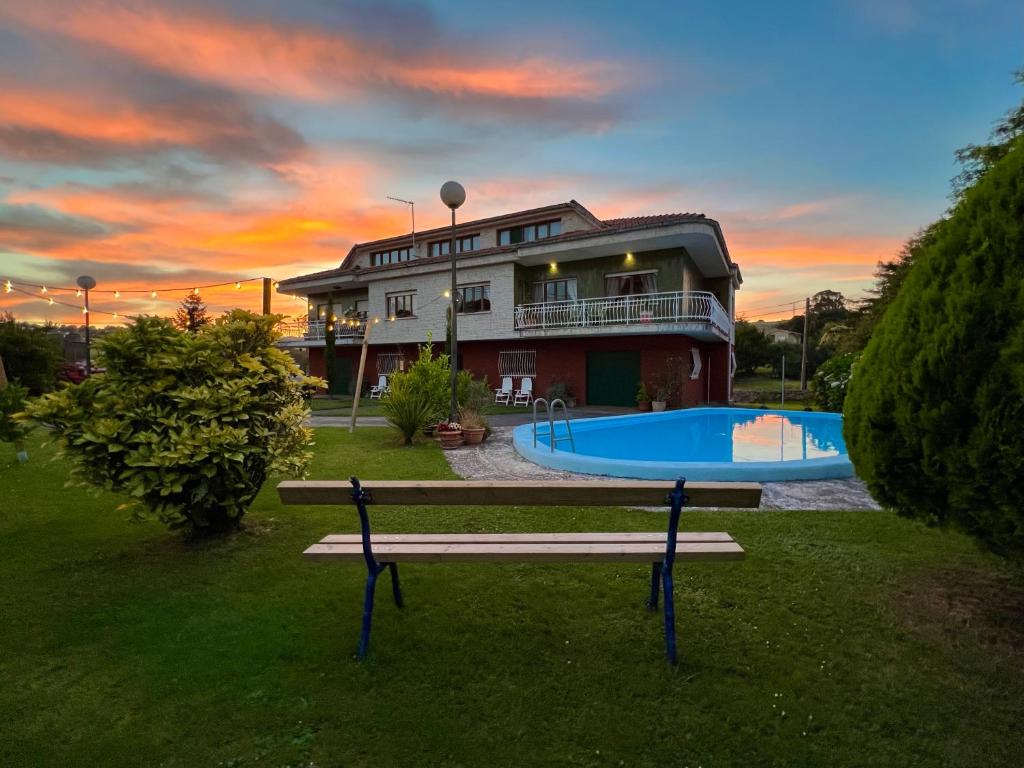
(412, 207)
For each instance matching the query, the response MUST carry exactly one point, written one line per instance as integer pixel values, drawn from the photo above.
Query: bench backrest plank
(573, 493)
(657, 537)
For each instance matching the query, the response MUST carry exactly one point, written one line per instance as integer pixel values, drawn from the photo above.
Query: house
(775, 333)
(553, 293)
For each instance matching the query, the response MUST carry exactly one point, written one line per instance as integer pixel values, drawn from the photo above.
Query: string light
(85, 311)
(152, 294)
(50, 300)
(78, 292)
(8, 286)
(238, 286)
(117, 294)
(43, 289)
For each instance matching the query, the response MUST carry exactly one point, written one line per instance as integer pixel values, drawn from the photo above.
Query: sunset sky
(158, 145)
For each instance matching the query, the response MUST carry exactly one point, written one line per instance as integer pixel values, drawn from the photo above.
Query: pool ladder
(549, 408)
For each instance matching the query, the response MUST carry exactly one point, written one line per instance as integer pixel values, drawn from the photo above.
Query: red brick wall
(567, 359)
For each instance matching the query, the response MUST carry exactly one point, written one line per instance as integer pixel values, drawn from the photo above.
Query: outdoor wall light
(554, 266)
(629, 258)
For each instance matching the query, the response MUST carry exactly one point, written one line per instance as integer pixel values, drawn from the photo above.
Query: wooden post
(3, 374)
(803, 347)
(268, 287)
(359, 377)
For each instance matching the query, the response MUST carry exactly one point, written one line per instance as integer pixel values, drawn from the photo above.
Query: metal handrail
(549, 408)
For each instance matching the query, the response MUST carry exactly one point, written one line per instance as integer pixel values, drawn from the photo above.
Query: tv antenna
(412, 207)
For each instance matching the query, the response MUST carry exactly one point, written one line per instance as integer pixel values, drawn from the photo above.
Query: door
(612, 378)
(341, 380)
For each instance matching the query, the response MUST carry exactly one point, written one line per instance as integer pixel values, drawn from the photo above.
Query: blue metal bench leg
(396, 587)
(652, 601)
(670, 617)
(364, 637)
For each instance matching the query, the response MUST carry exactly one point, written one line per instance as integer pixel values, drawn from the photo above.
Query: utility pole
(783, 379)
(268, 285)
(803, 347)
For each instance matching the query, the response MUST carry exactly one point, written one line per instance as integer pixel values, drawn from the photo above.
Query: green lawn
(764, 383)
(843, 640)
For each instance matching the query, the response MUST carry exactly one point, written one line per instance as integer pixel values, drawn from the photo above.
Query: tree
(191, 314)
(753, 348)
(31, 354)
(977, 160)
(187, 425)
(934, 411)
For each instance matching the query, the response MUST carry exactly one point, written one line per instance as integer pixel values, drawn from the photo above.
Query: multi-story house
(552, 293)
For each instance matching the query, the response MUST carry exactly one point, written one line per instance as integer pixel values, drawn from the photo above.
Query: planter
(429, 431)
(643, 405)
(474, 436)
(450, 440)
(658, 405)
(570, 402)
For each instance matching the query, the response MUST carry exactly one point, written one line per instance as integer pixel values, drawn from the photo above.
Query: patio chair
(380, 388)
(524, 395)
(504, 394)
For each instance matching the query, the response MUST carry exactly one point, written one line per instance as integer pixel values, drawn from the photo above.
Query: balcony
(696, 313)
(343, 333)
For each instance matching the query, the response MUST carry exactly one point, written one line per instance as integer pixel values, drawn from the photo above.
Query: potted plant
(449, 434)
(667, 385)
(474, 428)
(643, 400)
(559, 390)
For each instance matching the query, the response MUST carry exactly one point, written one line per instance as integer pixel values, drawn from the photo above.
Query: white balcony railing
(676, 307)
(316, 330)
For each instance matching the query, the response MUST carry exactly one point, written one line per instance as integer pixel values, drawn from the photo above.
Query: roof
(600, 227)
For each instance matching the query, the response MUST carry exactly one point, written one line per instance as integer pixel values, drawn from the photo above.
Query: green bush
(406, 407)
(430, 377)
(188, 425)
(935, 414)
(831, 381)
(30, 353)
(13, 398)
(473, 394)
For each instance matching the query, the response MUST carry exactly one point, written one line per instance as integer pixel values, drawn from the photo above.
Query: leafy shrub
(831, 380)
(407, 407)
(188, 425)
(641, 394)
(12, 400)
(31, 355)
(430, 377)
(473, 394)
(934, 414)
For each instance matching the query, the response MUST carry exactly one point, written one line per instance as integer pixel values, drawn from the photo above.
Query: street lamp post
(87, 283)
(453, 195)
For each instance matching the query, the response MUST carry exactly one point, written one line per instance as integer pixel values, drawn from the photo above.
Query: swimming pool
(699, 444)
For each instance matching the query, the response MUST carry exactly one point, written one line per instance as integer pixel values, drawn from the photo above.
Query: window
(400, 305)
(554, 290)
(475, 298)
(394, 256)
(529, 232)
(631, 283)
(462, 245)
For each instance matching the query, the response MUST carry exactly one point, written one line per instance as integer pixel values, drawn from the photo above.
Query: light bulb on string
(152, 294)
(238, 286)
(78, 292)
(50, 300)
(8, 286)
(43, 289)
(117, 294)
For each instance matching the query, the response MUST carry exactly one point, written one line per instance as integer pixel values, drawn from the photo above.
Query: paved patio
(496, 459)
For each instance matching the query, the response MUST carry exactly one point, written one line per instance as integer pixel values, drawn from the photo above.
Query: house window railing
(676, 307)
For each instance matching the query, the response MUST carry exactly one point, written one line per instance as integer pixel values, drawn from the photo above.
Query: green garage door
(612, 378)
(341, 383)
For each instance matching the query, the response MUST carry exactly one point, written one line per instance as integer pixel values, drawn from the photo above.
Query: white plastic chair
(504, 394)
(524, 395)
(380, 389)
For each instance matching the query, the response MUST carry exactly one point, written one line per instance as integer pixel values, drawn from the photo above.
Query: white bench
(380, 551)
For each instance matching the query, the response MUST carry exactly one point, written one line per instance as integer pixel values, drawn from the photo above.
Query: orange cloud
(308, 63)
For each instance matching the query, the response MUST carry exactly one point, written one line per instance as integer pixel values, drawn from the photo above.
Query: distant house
(775, 333)
(551, 293)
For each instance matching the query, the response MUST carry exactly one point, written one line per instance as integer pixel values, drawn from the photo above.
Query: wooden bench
(380, 551)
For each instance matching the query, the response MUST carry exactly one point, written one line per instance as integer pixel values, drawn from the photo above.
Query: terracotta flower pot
(450, 440)
(474, 436)
(643, 405)
(658, 405)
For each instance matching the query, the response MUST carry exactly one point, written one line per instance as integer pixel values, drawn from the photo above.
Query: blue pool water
(698, 443)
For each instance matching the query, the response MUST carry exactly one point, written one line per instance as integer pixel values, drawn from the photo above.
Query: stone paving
(496, 459)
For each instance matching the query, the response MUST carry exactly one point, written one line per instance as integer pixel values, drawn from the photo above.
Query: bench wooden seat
(526, 547)
(380, 551)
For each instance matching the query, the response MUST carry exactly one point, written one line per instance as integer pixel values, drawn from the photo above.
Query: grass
(844, 639)
(764, 383)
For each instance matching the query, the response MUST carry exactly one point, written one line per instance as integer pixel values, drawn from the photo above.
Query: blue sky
(159, 144)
